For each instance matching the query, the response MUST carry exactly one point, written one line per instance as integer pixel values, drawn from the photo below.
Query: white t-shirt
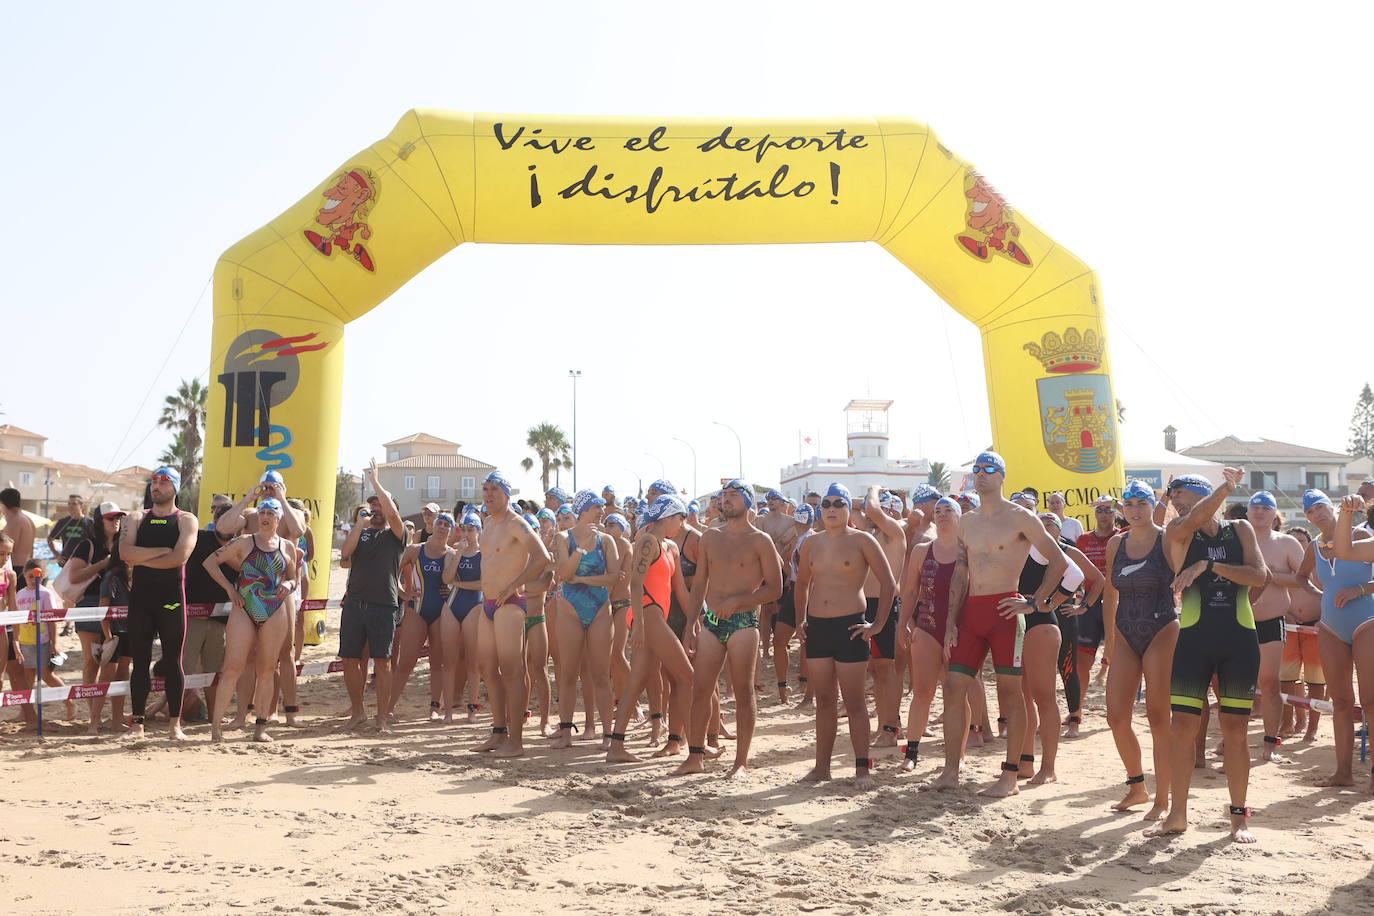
(1071, 528)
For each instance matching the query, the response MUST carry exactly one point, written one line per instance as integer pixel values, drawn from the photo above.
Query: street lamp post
(738, 442)
(47, 492)
(639, 480)
(694, 462)
(662, 468)
(574, 374)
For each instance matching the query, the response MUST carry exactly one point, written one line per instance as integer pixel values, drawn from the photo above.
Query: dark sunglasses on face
(836, 503)
(986, 469)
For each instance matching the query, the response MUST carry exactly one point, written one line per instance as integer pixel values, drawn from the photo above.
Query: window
(410, 482)
(30, 451)
(26, 477)
(393, 455)
(1264, 480)
(1318, 480)
(432, 483)
(469, 487)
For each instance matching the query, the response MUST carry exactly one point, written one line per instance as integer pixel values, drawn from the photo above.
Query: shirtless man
(887, 684)
(512, 556)
(1283, 556)
(831, 610)
(994, 543)
(737, 571)
(18, 526)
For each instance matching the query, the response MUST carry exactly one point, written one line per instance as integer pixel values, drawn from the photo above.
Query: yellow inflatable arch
(283, 294)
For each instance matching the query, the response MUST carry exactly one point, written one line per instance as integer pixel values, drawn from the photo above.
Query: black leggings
(162, 615)
(1068, 662)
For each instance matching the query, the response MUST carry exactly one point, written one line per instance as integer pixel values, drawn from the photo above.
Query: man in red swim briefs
(994, 541)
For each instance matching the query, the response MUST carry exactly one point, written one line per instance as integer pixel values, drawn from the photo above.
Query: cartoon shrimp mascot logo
(991, 222)
(343, 216)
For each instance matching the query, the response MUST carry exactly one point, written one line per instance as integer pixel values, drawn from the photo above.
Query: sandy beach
(324, 821)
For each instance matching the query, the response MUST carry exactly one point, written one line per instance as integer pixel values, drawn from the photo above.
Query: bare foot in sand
(435, 715)
(669, 749)
(563, 738)
(738, 772)
(93, 729)
(864, 782)
(1335, 779)
(885, 738)
(358, 718)
(975, 737)
(1240, 829)
(693, 764)
(216, 734)
(1026, 769)
(1157, 810)
(945, 781)
(260, 734)
(817, 774)
(724, 732)
(618, 754)
(1072, 723)
(1044, 776)
(711, 753)
(1135, 795)
(472, 715)
(1002, 788)
(1170, 826)
(509, 749)
(495, 741)
(1269, 754)
(806, 703)
(1002, 728)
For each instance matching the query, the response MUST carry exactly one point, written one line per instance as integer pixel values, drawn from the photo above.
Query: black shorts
(787, 608)
(831, 637)
(677, 618)
(885, 641)
(1271, 631)
(360, 623)
(1091, 629)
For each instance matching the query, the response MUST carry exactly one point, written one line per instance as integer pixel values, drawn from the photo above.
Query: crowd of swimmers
(660, 600)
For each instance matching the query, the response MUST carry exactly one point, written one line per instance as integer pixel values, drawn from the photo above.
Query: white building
(868, 462)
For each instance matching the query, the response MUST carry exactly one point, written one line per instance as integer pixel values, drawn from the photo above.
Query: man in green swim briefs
(737, 571)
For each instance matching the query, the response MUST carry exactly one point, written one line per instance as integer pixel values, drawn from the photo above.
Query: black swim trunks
(831, 637)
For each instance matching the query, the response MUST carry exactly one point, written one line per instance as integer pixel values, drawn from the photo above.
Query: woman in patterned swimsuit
(268, 566)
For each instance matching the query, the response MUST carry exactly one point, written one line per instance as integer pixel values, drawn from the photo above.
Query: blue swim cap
(1264, 498)
(803, 514)
(171, 474)
(608, 489)
(1051, 518)
(1312, 498)
(546, 513)
(1023, 497)
(764, 510)
(500, 480)
(446, 518)
(772, 495)
(530, 520)
(272, 477)
(924, 493)
(972, 498)
(666, 506)
(1139, 489)
(663, 486)
(890, 501)
(841, 491)
(472, 519)
(270, 505)
(584, 500)
(993, 459)
(693, 507)
(615, 518)
(1194, 482)
(559, 494)
(952, 503)
(565, 509)
(744, 490)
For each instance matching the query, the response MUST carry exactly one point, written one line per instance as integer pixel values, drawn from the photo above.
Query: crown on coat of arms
(1074, 352)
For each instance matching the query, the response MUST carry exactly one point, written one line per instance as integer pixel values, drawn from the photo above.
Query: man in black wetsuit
(156, 543)
(1215, 561)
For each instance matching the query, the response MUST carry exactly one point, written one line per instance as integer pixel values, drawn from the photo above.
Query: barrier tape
(121, 612)
(159, 685)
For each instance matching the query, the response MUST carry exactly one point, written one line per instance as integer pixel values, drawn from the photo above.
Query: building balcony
(434, 494)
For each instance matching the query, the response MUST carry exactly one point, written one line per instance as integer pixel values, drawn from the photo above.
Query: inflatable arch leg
(283, 294)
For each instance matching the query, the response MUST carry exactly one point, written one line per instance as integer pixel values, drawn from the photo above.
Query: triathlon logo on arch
(991, 223)
(1077, 412)
(262, 370)
(344, 215)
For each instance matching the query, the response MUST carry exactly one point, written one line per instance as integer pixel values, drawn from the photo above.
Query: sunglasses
(986, 469)
(834, 504)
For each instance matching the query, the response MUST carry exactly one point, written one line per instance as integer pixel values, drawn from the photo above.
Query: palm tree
(184, 414)
(552, 447)
(174, 455)
(939, 476)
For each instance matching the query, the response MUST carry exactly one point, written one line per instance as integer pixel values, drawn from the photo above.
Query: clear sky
(1193, 154)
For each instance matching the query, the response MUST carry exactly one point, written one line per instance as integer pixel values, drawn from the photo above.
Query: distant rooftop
(437, 461)
(420, 438)
(10, 430)
(1233, 447)
(867, 404)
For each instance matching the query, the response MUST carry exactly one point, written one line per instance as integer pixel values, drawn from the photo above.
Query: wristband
(1210, 564)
